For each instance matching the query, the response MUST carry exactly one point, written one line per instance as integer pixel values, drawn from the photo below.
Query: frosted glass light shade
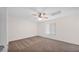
(39, 19)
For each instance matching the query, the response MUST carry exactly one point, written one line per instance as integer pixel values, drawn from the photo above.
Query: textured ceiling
(27, 12)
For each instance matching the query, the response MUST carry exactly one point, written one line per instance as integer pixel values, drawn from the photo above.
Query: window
(53, 28)
(50, 28)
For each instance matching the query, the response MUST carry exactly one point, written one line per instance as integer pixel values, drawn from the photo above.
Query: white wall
(67, 29)
(3, 29)
(43, 31)
(19, 28)
(67, 26)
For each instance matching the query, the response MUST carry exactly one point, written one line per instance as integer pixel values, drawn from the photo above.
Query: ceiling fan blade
(34, 14)
(46, 17)
(55, 13)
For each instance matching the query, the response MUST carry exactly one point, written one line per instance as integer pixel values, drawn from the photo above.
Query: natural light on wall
(51, 28)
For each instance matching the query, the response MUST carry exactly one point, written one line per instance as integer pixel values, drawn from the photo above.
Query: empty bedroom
(41, 29)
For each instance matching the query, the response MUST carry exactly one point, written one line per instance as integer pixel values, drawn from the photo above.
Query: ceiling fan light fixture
(39, 19)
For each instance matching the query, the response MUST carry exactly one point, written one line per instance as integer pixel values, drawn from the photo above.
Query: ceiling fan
(43, 15)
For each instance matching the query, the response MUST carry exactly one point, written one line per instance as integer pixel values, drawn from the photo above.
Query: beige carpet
(41, 44)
